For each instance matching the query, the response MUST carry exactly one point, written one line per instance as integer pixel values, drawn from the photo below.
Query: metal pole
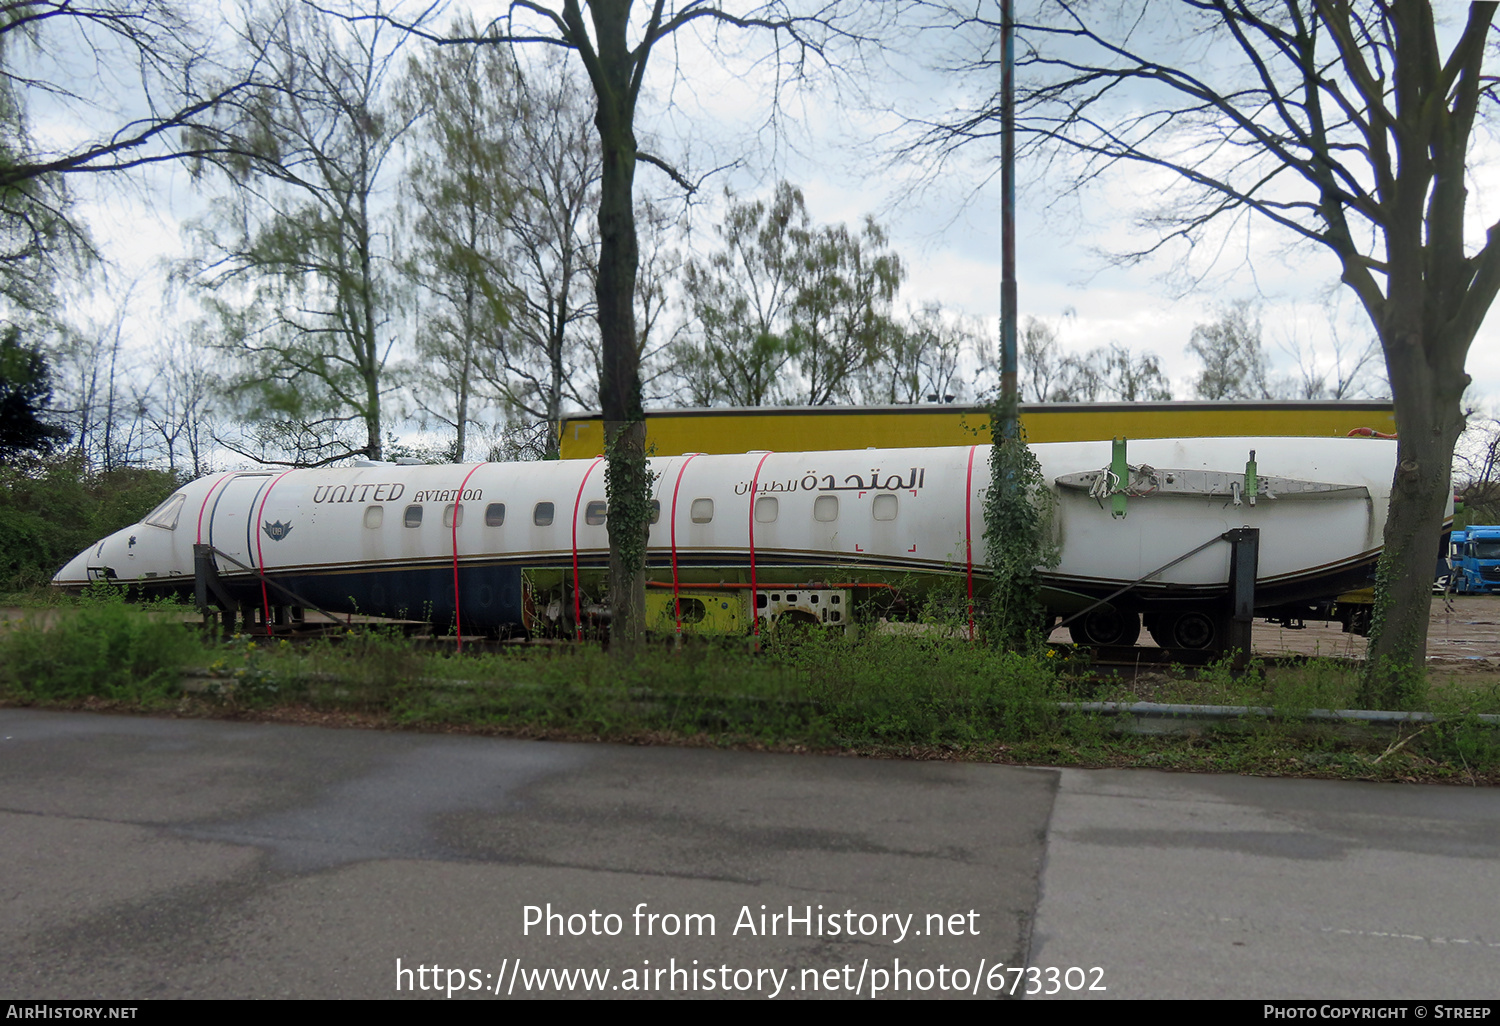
(1009, 427)
(1244, 562)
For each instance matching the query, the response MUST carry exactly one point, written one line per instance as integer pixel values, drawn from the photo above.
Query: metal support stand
(1244, 561)
(206, 579)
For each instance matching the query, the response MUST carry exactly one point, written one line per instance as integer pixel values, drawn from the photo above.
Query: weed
(106, 648)
(923, 690)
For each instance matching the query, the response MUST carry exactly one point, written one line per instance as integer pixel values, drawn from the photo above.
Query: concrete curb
(1156, 718)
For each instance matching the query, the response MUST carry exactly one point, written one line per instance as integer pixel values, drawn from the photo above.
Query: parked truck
(1474, 560)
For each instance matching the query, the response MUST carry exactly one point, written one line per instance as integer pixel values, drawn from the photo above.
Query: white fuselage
(874, 512)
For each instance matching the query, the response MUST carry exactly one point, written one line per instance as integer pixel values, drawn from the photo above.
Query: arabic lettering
(916, 477)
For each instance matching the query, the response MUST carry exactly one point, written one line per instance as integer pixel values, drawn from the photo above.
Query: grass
(912, 695)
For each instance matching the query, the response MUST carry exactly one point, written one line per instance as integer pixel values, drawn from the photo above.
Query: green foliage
(923, 692)
(1316, 684)
(1234, 365)
(50, 511)
(787, 311)
(464, 192)
(1467, 740)
(104, 649)
(807, 686)
(926, 689)
(25, 392)
(1018, 539)
(627, 489)
(1388, 682)
(295, 262)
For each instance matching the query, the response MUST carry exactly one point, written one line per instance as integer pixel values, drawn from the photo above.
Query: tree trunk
(1430, 418)
(620, 388)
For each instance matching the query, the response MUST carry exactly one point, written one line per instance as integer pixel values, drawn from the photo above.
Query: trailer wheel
(1106, 626)
(1193, 631)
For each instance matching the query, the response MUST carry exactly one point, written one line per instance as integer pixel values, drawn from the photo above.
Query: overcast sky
(706, 109)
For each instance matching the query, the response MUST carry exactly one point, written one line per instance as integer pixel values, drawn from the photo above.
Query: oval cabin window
(884, 507)
(494, 514)
(826, 508)
(413, 516)
(765, 509)
(453, 516)
(594, 513)
(374, 517)
(655, 511)
(702, 511)
(541, 516)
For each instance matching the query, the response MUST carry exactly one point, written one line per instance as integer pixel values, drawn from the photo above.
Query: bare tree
(1102, 374)
(922, 361)
(1234, 362)
(176, 402)
(616, 67)
(551, 250)
(1337, 366)
(661, 267)
(95, 398)
(1041, 358)
(140, 77)
(1111, 373)
(1476, 466)
(1350, 371)
(1348, 125)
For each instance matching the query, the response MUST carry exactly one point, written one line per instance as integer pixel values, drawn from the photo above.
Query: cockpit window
(166, 514)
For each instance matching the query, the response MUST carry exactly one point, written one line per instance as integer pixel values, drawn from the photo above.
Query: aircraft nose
(75, 573)
(110, 557)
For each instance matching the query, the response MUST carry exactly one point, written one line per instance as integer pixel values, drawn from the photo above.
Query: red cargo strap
(265, 597)
(578, 602)
(458, 620)
(969, 536)
(754, 593)
(676, 601)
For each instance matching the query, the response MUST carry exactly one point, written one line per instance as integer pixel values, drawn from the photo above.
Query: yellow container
(805, 428)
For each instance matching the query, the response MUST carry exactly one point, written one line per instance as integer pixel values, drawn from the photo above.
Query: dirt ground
(1464, 629)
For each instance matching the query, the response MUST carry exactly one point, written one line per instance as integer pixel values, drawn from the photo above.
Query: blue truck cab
(1474, 559)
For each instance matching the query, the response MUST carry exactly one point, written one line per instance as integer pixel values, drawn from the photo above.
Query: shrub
(105, 648)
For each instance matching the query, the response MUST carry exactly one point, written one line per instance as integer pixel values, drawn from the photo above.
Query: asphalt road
(147, 858)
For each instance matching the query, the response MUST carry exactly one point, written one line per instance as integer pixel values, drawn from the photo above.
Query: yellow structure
(703, 612)
(801, 428)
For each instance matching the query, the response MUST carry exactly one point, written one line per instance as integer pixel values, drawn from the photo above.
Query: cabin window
(765, 509)
(541, 516)
(655, 511)
(884, 507)
(594, 513)
(494, 514)
(826, 508)
(374, 517)
(453, 515)
(413, 516)
(702, 511)
(165, 516)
